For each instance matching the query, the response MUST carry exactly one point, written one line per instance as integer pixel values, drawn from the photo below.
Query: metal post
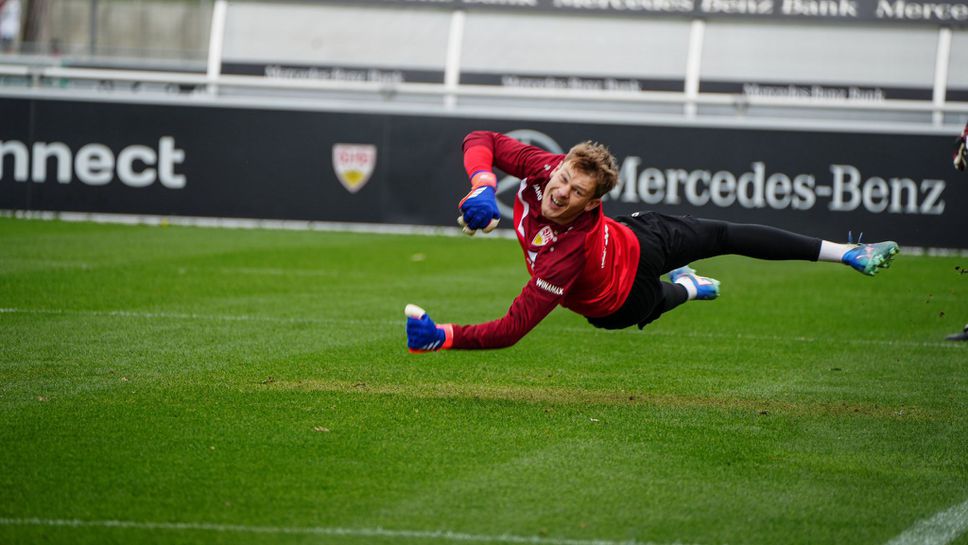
(92, 37)
(452, 69)
(693, 63)
(216, 40)
(941, 75)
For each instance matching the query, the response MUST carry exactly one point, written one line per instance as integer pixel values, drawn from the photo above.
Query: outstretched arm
(527, 310)
(553, 278)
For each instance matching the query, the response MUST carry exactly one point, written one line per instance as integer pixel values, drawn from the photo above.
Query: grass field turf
(225, 378)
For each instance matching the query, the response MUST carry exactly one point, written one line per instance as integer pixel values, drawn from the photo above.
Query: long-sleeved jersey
(587, 266)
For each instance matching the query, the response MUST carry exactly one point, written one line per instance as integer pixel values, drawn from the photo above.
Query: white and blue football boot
(869, 259)
(706, 288)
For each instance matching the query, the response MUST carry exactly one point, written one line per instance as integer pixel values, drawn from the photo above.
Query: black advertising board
(382, 168)
(222, 162)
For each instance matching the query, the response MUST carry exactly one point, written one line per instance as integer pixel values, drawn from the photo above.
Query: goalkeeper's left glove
(960, 157)
(423, 335)
(478, 210)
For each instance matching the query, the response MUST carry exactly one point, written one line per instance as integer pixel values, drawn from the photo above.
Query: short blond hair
(594, 159)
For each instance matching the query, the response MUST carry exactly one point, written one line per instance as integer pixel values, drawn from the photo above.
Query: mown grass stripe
(400, 323)
(440, 535)
(577, 396)
(192, 316)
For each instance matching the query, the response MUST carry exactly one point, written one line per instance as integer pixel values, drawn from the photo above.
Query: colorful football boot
(706, 288)
(869, 259)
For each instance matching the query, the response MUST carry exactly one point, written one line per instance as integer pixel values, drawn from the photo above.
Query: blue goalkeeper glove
(478, 210)
(423, 335)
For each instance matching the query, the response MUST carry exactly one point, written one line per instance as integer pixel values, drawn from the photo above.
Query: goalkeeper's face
(568, 194)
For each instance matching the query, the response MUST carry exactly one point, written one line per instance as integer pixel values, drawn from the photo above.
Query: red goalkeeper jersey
(587, 266)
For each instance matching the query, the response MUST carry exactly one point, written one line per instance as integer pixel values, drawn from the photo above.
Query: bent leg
(672, 296)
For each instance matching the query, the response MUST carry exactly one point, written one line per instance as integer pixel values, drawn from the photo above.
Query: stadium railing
(37, 77)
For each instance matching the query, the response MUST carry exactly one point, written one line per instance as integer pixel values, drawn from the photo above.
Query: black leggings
(710, 238)
(669, 242)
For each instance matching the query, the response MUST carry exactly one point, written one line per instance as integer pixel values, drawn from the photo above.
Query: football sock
(831, 251)
(690, 287)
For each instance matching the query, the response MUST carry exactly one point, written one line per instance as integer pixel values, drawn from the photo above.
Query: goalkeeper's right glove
(478, 210)
(960, 157)
(423, 335)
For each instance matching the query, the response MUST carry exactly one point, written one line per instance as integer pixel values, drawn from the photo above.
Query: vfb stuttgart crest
(544, 236)
(354, 164)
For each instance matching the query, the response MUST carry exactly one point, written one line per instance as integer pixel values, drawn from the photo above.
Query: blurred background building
(880, 60)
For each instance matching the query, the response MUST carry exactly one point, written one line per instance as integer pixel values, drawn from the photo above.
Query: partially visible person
(9, 24)
(960, 155)
(963, 336)
(960, 160)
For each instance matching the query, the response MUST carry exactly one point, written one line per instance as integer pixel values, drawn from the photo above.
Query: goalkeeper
(608, 270)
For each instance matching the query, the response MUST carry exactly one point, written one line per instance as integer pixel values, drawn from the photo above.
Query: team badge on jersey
(544, 236)
(354, 164)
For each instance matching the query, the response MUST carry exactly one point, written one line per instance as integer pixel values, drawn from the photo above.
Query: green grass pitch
(184, 385)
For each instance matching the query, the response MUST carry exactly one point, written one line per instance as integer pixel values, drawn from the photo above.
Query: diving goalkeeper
(607, 270)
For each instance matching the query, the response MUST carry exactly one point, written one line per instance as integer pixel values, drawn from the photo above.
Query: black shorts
(665, 243)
